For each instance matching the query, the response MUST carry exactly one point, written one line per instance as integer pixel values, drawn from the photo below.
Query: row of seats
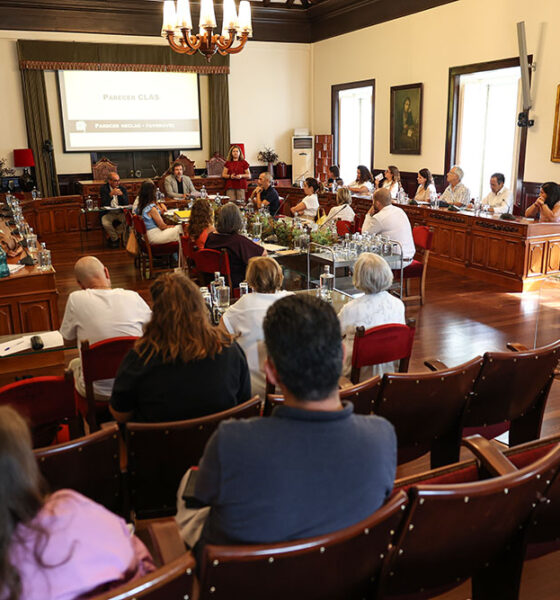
(476, 520)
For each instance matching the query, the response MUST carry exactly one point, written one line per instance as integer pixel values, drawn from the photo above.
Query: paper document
(51, 339)
(15, 268)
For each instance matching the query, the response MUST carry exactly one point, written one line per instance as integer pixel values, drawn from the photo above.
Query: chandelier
(177, 26)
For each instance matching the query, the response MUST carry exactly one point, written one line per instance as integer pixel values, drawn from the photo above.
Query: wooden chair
(149, 251)
(89, 465)
(207, 262)
(215, 166)
(427, 410)
(188, 249)
(423, 239)
(382, 344)
(100, 361)
(510, 392)
(159, 454)
(102, 168)
(49, 406)
(470, 529)
(344, 564)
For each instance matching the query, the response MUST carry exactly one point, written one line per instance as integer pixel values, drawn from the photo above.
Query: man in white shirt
(386, 219)
(456, 193)
(97, 312)
(500, 199)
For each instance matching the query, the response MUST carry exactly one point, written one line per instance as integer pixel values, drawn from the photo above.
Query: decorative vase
(271, 168)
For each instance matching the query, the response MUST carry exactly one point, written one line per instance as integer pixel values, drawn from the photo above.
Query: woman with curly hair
(182, 367)
(56, 546)
(201, 222)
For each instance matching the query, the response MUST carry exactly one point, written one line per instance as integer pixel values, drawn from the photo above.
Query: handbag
(132, 244)
(321, 216)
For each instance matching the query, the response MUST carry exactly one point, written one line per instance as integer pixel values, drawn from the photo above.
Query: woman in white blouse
(373, 276)
(309, 206)
(363, 183)
(426, 188)
(342, 211)
(244, 318)
(392, 181)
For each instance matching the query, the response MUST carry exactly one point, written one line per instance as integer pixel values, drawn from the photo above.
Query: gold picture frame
(555, 153)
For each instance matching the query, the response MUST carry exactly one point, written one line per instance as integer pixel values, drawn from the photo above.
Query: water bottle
(44, 258)
(214, 285)
(326, 284)
(9, 199)
(4, 271)
(39, 195)
(203, 192)
(89, 203)
(34, 193)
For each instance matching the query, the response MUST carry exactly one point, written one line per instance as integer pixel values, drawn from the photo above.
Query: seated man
(456, 193)
(500, 199)
(113, 195)
(265, 194)
(313, 467)
(387, 219)
(97, 312)
(177, 185)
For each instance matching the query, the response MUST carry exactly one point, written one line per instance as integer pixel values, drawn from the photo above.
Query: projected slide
(113, 110)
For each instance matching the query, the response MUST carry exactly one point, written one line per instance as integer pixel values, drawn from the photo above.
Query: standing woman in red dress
(236, 173)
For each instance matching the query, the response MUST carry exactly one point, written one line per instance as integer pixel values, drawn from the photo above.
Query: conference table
(515, 254)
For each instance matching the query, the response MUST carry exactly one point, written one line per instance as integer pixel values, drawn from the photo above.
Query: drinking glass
(223, 297)
(44, 259)
(257, 231)
(31, 243)
(243, 288)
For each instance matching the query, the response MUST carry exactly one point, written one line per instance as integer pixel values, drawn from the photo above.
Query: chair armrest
(435, 365)
(166, 540)
(515, 347)
(411, 322)
(344, 382)
(490, 457)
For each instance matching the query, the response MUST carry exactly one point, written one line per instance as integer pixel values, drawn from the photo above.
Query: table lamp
(23, 158)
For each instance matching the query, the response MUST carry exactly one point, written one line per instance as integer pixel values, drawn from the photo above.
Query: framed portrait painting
(406, 118)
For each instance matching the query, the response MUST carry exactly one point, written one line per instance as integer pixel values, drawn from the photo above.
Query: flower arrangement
(284, 233)
(4, 170)
(268, 155)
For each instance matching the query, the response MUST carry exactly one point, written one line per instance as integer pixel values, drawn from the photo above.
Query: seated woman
(239, 248)
(309, 206)
(56, 546)
(342, 211)
(334, 175)
(244, 318)
(546, 207)
(392, 181)
(158, 232)
(363, 183)
(426, 188)
(201, 222)
(182, 367)
(373, 276)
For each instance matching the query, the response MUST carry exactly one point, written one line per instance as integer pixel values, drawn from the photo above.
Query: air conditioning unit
(303, 157)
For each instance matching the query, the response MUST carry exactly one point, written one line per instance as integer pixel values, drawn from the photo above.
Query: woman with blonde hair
(236, 173)
(201, 222)
(56, 546)
(373, 276)
(342, 211)
(244, 319)
(182, 367)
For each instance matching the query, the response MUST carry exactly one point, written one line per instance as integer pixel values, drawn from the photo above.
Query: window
(353, 107)
(487, 129)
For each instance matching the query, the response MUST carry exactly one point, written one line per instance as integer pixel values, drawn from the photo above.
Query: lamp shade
(23, 158)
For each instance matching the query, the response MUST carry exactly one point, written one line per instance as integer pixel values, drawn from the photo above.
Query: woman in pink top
(55, 547)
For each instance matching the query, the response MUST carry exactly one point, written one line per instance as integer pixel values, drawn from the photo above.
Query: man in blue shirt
(266, 195)
(313, 467)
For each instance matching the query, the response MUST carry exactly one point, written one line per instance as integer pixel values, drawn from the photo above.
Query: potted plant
(269, 156)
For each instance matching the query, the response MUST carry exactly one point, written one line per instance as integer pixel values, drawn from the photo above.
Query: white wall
(269, 96)
(422, 48)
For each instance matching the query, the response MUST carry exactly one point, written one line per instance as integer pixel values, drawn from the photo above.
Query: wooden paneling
(36, 315)
(6, 319)
(536, 259)
(52, 215)
(553, 257)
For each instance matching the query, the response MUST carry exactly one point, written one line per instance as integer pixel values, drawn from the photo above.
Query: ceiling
(273, 20)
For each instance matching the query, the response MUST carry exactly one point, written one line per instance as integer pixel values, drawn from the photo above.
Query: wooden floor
(463, 317)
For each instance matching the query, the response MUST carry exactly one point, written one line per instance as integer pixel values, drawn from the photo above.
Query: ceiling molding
(274, 22)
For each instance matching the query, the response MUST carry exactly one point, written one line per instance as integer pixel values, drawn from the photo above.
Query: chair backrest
(159, 454)
(187, 247)
(102, 359)
(44, 402)
(210, 261)
(215, 165)
(139, 225)
(174, 581)
(343, 227)
(102, 168)
(423, 237)
(381, 344)
(513, 386)
(344, 564)
(89, 465)
(453, 532)
(128, 217)
(427, 410)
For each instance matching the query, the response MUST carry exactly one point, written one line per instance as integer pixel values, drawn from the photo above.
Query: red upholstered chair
(149, 251)
(423, 238)
(188, 250)
(207, 262)
(344, 227)
(100, 361)
(48, 404)
(382, 344)
(340, 565)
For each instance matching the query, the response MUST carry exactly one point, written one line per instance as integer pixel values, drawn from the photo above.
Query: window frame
(335, 111)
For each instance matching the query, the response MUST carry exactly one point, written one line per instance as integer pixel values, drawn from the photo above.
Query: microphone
(508, 216)
(155, 171)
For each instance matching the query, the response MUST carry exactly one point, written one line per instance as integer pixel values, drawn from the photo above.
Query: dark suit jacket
(106, 196)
